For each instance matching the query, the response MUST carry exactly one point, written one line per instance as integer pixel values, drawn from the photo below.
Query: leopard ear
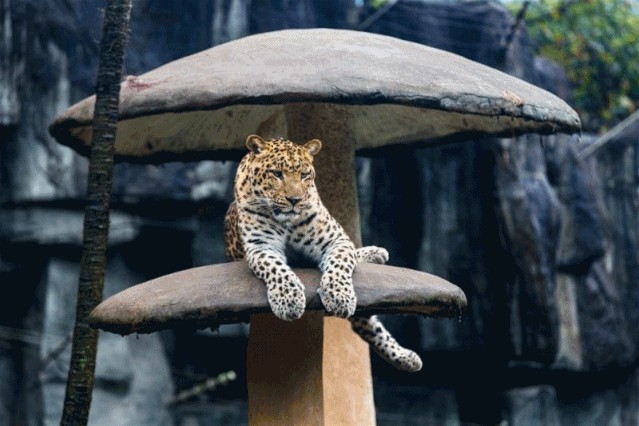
(313, 146)
(255, 144)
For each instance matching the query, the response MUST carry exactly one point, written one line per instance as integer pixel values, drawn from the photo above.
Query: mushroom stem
(284, 370)
(318, 364)
(348, 384)
(335, 164)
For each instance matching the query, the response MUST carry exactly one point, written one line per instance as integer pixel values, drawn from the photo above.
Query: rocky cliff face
(535, 251)
(542, 238)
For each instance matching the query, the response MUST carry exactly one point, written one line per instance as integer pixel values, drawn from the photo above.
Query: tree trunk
(96, 215)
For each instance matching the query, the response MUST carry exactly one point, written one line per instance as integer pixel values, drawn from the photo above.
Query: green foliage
(597, 43)
(376, 4)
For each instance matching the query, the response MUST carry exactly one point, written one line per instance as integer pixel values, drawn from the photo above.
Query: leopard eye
(277, 173)
(306, 175)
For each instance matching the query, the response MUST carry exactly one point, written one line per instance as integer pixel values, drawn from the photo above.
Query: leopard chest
(311, 238)
(303, 240)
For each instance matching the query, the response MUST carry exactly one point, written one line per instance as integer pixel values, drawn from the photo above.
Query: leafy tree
(597, 43)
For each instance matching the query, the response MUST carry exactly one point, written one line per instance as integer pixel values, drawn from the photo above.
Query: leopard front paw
(287, 299)
(338, 297)
(372, 254)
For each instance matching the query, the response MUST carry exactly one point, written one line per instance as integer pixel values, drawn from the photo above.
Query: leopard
(277, 214)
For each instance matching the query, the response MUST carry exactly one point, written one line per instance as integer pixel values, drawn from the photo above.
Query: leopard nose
(293, 200)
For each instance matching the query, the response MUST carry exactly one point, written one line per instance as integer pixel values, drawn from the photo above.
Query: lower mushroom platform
(226, 293)
(307, 371)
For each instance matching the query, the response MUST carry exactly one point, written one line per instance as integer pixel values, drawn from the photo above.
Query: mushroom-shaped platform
(396, 91)
(354, 91)
(227, 293)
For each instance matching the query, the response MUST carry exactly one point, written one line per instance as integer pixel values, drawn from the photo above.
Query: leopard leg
(373, 331)
(285, 290)
(336, 285)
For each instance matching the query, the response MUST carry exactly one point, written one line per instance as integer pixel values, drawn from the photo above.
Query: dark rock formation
(50, 62)
(529, 250)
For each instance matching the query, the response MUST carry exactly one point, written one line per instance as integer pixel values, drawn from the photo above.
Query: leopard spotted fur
(277, 210)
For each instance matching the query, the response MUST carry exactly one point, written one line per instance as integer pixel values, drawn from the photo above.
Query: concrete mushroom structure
(355, 92)
(229, 293)
(286, 361)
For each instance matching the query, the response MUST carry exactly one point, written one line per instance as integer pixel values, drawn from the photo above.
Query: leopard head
(278, 176)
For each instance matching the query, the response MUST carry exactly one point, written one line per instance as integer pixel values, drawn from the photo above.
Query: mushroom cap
(399, 92)
(226, 293)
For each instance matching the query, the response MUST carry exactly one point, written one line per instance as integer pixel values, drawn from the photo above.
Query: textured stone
(532, 405)
(453, 191)
(436, 406)
(552, 77)
(9, 65)
(48, 226)
(131, 373)
(225, 293)
(210, 101)
(582, 238)
(530, 216)
(616, 166)
(605, 333)
(569, 350)
(594, 409)
(623, 134)
(8, 381)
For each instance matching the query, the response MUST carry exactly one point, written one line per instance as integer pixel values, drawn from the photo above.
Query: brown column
(348, 385)
(284, 370)
(335, 164)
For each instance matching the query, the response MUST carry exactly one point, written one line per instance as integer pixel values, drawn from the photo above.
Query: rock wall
(542, 240)
(50, 60)
(549, 333)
